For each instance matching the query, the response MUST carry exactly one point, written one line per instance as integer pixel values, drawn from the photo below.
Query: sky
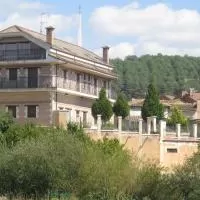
(170, 27)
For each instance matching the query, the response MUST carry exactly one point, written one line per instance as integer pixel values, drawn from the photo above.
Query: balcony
(22, 54)
(26, 82)
(49, 82)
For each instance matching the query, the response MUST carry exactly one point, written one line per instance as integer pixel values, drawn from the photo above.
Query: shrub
(6, 121)
(177, 117)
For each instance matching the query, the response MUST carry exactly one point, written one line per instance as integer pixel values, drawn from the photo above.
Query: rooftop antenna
(43, 21)
(79, 26)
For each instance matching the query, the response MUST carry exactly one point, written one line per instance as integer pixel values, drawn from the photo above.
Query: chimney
(49, 34)
(105, 54)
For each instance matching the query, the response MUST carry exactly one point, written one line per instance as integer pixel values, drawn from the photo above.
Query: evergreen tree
(121, 107)
(102, 106)
(152, 105)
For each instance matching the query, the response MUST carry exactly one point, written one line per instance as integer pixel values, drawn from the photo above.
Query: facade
(43, 78)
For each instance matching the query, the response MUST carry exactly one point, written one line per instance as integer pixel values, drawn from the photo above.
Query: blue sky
(128, 27)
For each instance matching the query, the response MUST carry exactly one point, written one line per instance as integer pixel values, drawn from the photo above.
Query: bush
(121, 107)
(6, 121)
(102, 106)
(177, 117)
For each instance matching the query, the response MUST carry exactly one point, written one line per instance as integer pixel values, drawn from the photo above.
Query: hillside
(172, 74)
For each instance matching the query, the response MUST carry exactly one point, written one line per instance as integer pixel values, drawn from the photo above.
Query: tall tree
(102, 106)
(121, 107)
(152, 105)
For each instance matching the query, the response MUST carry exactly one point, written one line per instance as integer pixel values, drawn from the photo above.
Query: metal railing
(27, 82)
(22, 54)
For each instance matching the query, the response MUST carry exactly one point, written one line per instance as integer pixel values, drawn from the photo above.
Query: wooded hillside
(171, 74)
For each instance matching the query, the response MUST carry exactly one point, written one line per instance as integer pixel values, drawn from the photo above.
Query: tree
(152, 105)
(177, 117)
(102, 106)
(121, 107)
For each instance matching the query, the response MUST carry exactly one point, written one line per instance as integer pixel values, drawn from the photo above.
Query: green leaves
(177, 117)
(121, 107)
(152, 106)
(102, 106)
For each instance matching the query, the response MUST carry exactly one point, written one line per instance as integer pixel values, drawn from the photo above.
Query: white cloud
(28, 14)
(155, 29)
(31, 5)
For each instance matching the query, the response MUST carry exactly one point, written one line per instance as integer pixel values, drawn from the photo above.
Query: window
(65, 74)
(85, 118)
(13, 111)
(104, 84)
(31, 111)
(13, 74)
(172, 150)
(77, 114)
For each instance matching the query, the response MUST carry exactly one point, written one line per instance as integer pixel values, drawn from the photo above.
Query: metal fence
(129, 125)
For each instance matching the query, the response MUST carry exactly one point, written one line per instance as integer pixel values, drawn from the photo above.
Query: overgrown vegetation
(36, 162)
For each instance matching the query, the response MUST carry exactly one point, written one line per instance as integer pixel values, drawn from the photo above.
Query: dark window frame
(32, 113)
(172, 150)
(12, 111)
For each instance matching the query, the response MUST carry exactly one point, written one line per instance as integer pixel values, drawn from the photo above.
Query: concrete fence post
(140, 126)
(161, 130)
(178, 130)
(154, 124)
(148, 125)
(164, 127)
(99, 123)
(119, 124)
(140, 131)
(194, 130)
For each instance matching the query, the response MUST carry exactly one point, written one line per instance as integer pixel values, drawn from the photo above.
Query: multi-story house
(42, 77)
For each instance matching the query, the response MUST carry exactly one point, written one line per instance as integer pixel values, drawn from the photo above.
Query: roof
(191, 97)
(169, 103)
(58, 44)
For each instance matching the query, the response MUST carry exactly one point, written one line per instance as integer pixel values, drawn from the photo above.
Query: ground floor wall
(174, 153)
(149, 147)
(77, 108)
(21, 100)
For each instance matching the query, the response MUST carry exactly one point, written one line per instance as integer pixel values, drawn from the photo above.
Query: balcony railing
(22, 54)
(26, 82)
(47, 82)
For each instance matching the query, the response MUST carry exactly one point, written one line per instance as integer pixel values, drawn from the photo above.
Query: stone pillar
(140, 132)
(119, 124)
(99, 123)
(148, 125)
(178, 130)
(161, 130)
(164, 127)
(154, 124)
(140, 126)
(195, 130)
